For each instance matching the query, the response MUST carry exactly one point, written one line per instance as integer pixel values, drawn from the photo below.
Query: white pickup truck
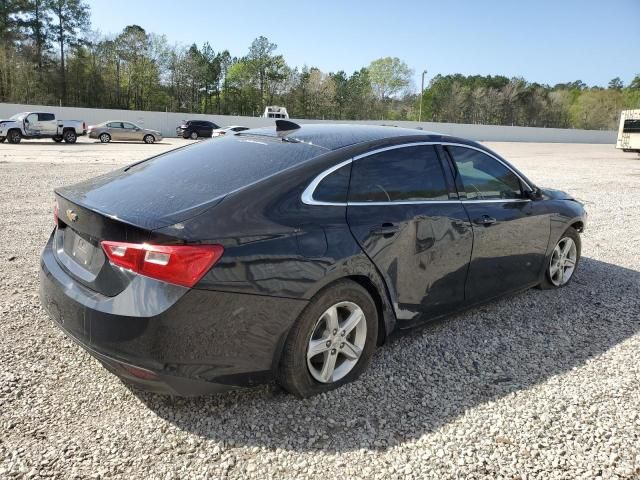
(32, 125)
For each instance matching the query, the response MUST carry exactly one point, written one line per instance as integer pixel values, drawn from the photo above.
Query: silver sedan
(123, 131)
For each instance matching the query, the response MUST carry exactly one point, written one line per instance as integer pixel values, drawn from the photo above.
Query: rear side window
(46, 117)
(334, 187)
(401, 174)
(483, 177)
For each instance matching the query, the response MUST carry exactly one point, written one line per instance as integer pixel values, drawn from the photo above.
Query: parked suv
(196, 128)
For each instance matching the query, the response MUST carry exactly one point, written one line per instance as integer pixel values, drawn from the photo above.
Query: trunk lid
(77, 247)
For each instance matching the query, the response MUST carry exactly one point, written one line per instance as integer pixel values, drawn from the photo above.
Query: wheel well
(368, 285)
(578, 226)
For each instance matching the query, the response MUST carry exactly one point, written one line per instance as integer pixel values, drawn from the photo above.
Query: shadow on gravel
(419, 382)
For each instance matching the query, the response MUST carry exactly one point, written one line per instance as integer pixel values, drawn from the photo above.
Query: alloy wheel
(336, 343)
(563, 261)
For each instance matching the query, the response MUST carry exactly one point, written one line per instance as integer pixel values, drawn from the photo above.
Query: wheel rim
(148, 139)
(194, 135)
(563, 261)
(104, 138)
(336, 343)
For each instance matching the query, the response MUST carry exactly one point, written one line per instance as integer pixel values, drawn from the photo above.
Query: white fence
(167, 122)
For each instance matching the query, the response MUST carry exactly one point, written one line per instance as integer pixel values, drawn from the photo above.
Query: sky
(546, 41)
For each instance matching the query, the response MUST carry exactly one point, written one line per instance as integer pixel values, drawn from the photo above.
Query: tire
(57, 139)
(554, 276)
(14, 136)
(193, 135)
(300, 375)
(149, 139)
(105, 138)
(2, 139)
(70, 136)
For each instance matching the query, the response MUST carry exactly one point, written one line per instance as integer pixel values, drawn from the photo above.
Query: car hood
(557, 194)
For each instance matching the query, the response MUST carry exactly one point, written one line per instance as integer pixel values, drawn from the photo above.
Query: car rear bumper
(170, 339)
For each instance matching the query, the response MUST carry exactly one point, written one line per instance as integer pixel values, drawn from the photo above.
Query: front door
(407, 218)
(32, 125)
(131, 131)
(510, 231)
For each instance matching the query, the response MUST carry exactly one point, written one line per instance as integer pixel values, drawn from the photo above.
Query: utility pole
(421, 95)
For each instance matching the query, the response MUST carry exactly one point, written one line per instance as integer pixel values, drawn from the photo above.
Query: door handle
(386, 229)
(485, 220)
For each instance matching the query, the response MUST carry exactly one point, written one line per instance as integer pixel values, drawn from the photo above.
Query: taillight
(178, 264)
(84, 125)
(55, 213)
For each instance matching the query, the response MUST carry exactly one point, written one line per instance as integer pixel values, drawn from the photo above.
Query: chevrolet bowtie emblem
(72, 216)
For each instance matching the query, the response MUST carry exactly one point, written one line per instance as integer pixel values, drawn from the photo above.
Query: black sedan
(291, 253)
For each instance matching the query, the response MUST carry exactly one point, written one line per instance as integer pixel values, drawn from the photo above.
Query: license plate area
(78, 254)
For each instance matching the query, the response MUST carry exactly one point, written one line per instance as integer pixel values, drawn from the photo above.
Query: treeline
(48, 55)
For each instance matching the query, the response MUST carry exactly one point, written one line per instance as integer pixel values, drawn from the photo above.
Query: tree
(389, 76)
(616, 84)
(635, 83)
(72, 19)
(39, 24)
(260, 61)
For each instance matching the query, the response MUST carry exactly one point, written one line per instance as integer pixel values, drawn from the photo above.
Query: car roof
(339, 135)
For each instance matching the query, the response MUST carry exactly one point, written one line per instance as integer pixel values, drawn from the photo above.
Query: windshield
(19, 116)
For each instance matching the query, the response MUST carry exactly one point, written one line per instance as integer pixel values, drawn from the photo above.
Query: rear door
(408, 219)
(116, 131)
(47, 124)
(511, 232)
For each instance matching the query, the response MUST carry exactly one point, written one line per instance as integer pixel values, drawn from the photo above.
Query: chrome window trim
(307, 194)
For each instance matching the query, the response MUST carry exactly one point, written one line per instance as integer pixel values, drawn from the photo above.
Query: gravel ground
(541, 385)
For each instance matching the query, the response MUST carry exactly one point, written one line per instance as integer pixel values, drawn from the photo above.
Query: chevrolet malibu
(289, 254)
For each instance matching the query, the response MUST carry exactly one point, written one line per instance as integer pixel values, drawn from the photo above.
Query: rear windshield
(169, 187)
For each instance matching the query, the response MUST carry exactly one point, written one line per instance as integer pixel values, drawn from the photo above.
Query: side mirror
(535, 194)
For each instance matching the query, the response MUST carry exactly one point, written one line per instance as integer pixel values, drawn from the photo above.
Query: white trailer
(629, 131)
(273, 111)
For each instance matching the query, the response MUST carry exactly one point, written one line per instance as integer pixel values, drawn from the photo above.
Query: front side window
(483, 177)
(631, 126)
(128, 126)
(402, 174)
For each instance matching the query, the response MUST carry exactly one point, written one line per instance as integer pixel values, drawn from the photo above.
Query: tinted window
(401, 174)
(46, 117)
(631, 126)
(483, 177)
(333, 188)
(114, 125)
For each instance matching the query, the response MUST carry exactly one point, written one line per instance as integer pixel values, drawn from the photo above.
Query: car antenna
(284, 125)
